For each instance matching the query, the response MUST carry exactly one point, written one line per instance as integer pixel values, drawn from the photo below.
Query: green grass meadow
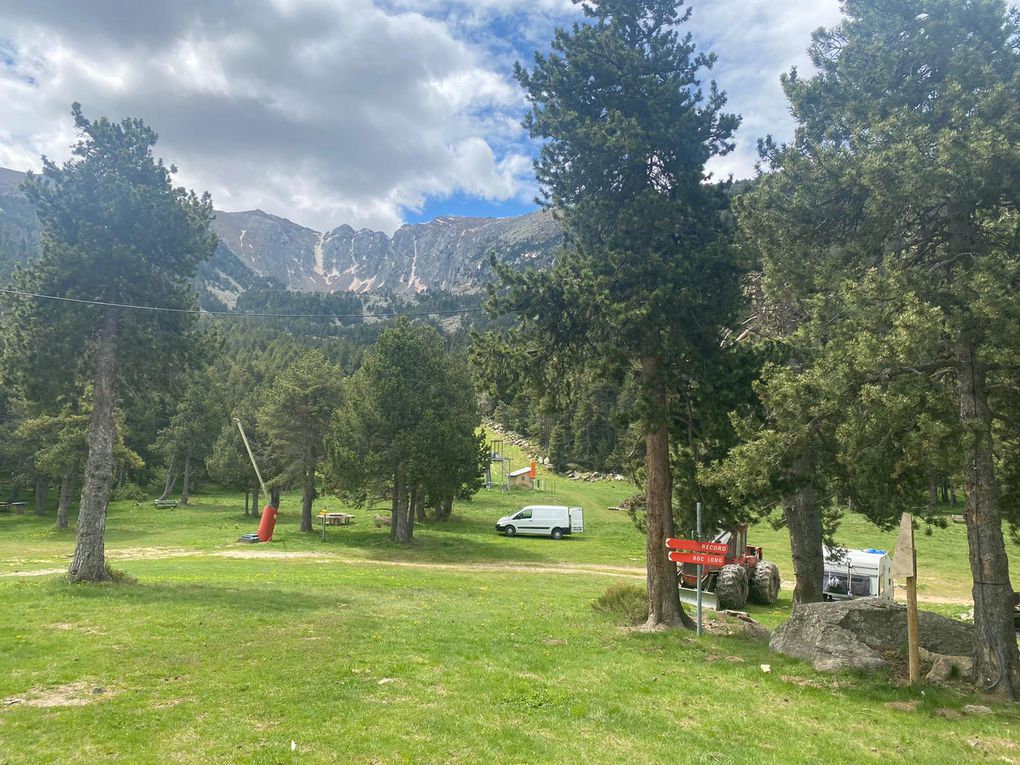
(467, 647)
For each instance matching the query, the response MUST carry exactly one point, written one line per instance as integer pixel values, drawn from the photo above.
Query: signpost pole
(698, 533)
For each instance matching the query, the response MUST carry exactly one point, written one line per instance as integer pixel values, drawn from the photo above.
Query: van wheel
(557, 534)
(510, 531)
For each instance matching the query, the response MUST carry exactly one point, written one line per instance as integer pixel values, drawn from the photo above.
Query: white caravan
(857, 574)
(556, 521)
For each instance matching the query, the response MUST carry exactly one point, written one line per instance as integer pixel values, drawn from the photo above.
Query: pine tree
(114, 230)
(188, 438)
(647, 279)
(408, 429)
(895, 215)
(294, 419)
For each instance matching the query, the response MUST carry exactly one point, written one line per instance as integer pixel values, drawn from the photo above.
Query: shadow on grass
(441, 545)
(166, 596)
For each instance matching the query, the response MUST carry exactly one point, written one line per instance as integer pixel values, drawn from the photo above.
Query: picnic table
(18, 507)
(168, 504)
(334, 519)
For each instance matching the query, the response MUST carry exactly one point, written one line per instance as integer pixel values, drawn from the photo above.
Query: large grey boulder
(851, 634)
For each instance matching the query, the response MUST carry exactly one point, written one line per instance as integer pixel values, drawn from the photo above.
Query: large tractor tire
(765, 583)
(731, 587)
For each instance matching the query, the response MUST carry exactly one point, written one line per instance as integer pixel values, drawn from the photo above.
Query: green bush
(625, 602)
(120, 577)
(128, 491)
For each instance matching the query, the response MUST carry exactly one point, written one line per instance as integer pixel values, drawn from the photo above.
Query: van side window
(523, 515)
(860, 586)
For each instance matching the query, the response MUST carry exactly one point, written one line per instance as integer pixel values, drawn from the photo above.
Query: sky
(359, 112)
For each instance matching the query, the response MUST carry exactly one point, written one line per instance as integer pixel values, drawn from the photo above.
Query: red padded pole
(268, 523)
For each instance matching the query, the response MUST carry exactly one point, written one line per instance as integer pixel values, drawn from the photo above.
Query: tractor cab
(739, 552)
(743, 573)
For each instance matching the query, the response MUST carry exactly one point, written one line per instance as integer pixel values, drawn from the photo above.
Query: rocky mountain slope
(255, 247)
(219, 281)
(446, 253)
(19, 229)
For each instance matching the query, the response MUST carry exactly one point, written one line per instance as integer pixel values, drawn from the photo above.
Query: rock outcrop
(853, 634)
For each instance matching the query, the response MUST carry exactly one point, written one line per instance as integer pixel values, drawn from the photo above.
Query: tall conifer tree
(647, 276)
(114, 230)
(895, 218)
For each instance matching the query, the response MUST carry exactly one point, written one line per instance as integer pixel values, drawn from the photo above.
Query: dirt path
(567, 569)
(596, 569)
(155, 553)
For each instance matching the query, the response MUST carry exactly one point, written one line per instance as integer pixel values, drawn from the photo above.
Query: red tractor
(743, 574)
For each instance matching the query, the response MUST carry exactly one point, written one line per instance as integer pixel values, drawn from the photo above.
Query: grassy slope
(357, 659)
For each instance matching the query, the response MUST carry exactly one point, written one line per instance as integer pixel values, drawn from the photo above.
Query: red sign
(693, 557)
(693, 546)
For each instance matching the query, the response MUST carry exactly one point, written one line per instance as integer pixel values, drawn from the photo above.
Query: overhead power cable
(242, 314)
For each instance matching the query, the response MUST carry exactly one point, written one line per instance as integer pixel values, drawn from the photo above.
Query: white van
(858, 574)
(556, 521)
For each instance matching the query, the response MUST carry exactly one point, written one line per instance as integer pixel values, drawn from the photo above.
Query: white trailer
(853, 574)
(556, 521)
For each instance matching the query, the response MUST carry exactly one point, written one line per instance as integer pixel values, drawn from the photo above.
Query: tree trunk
(664, 608)
(274, 497)
(444, 509)
(256, 511)
(393, 511)
(186, 486)
(89, 561)
(402, 524)
(171, 480)
(996, 659)
(307, 499)
(66, 490)
(247, 494)
(804, 523)
(419, 505)
(42, 492)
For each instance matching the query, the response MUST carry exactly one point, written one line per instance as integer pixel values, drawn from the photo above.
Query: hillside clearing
(466, 647)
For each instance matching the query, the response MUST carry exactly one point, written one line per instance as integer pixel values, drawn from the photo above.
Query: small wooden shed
(522, 479)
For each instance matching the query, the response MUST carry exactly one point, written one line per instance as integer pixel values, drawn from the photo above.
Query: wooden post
(905, 567)
(913, 653)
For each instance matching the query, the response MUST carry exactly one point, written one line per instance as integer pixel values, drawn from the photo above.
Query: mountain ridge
(449, 253)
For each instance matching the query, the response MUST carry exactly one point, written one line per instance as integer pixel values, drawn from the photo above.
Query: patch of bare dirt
(77, 694)
(582, 568)
(150, 553)
(270, 554)
(903, 706)
(85, 629)
(36, 572)
(169, 703)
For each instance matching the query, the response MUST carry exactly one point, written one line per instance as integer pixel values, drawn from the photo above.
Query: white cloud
(341, 111)
(757, 41)
(326, 112)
